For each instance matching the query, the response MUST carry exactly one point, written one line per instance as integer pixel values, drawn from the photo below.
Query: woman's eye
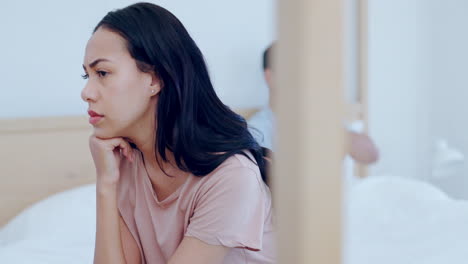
(85, 76)
(101, 73)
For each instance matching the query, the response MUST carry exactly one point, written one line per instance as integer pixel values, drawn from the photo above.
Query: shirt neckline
(172, 197)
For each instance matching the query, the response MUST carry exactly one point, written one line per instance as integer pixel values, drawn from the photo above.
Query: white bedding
(390, 220)
(39, 251)
(59, 229)
(396, 220)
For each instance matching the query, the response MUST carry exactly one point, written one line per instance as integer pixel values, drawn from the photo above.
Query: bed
(391, 219)
(47, 199)
(42, 157)
(47, 195)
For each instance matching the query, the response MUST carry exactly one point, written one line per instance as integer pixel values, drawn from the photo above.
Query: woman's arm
(194, 251)
(363, 149)
(107, 155)
(108, 248)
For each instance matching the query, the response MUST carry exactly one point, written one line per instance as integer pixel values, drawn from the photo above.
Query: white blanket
(390, 220)
(395, 220)
(59, 229)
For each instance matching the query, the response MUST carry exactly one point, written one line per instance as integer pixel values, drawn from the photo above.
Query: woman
(179, 177)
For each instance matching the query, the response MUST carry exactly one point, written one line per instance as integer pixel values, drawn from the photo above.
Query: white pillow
(68, 217)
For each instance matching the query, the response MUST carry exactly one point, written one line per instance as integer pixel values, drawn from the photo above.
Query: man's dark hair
(267, 56)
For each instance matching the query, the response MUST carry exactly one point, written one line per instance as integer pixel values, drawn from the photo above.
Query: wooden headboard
(40, 157)
(43, 156)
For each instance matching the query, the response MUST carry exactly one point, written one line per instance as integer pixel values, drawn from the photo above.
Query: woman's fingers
(124, 146)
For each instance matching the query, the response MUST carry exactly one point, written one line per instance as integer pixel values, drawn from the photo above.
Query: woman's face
(121, 98)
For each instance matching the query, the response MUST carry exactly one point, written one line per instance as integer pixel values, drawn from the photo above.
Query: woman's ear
(156, 85)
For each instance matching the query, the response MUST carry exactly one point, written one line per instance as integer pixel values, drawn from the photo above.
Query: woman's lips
(93, 120)
(94, 117)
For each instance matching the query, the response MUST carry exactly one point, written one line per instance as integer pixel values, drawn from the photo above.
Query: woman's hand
(107, 155)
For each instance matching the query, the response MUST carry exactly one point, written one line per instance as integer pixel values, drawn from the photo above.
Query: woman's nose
(88, 94)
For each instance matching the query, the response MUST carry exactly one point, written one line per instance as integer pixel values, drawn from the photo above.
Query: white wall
(42, 48)
(448, 41)
(41, 51)
(398, 102)
(418, 86)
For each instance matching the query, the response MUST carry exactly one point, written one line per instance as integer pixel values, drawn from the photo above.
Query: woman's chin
(104, 133)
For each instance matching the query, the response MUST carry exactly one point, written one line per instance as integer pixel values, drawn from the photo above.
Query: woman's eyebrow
(95, 62)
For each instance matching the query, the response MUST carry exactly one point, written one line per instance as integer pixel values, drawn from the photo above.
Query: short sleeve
(231, 210)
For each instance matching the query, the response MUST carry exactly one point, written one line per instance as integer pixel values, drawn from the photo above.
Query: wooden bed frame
(43, 156)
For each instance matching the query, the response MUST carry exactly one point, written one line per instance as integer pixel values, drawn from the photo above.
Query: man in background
(262, 124)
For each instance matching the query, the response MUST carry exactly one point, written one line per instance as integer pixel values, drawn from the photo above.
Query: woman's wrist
(104, 187)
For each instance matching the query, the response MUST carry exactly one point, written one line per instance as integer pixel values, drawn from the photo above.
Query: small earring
(152, 91)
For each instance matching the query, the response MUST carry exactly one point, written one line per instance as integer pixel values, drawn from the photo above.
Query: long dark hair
(191, 120)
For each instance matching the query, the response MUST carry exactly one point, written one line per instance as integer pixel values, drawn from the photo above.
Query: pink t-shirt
(231, 206)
